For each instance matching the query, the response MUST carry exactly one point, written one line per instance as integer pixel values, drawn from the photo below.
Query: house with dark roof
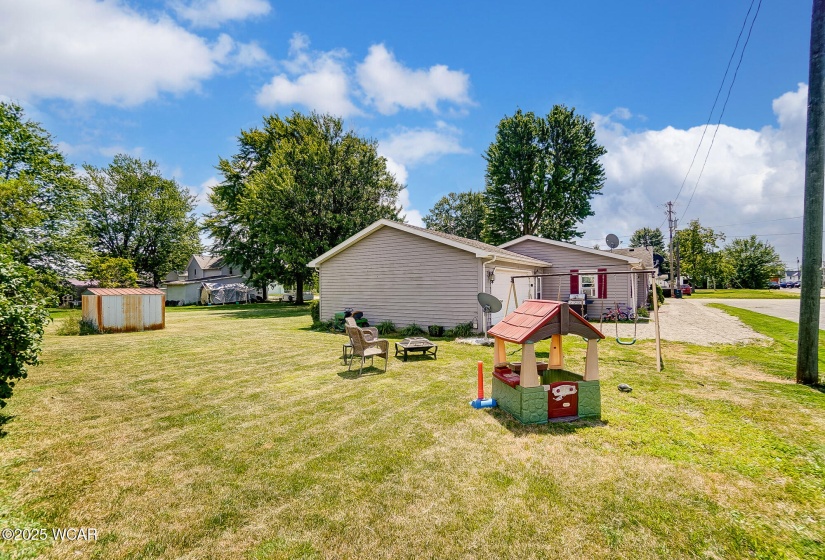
(408, 274)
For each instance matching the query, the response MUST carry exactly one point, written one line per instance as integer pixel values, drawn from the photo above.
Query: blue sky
(175, 81)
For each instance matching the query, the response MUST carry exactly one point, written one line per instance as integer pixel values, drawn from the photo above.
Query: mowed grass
(237, 433)
(744, 294)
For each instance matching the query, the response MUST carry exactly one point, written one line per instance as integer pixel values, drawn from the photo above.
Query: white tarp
(226, 293)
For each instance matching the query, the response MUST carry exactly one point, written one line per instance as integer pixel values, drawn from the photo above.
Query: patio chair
(367, 349)
(370, 333)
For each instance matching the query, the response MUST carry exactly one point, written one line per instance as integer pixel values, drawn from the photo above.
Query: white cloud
(391, 86)
(753, 177)
(397, 169)
(316, 80)
(212, 13)
(412, 215)
(422, 145)
(104, 51)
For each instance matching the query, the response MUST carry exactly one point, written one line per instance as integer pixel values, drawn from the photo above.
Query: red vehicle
(686, 289)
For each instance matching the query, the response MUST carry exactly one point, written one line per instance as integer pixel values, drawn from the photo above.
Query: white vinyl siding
(566, 259)
(401, 277)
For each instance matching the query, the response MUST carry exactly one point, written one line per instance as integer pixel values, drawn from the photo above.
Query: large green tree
(459, 214)
(297, 187)
(750, 263)
(113, 272)
(40, 197)
(23, 317)
(135, 213)
(541, 175)
(649, 237)
(699, 256)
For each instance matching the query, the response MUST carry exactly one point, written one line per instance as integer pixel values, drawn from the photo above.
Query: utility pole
(671, 224)
(807, 356)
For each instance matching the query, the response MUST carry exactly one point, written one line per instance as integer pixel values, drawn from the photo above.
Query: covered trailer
(125, 309)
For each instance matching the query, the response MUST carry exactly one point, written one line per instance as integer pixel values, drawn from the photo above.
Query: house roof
(208, 262)
(124, 291)
(478, 248)
(75, 283)
(527, 322)
(564, 244)
(644, 255)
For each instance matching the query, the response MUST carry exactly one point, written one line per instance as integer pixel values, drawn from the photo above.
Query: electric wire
(724, 106)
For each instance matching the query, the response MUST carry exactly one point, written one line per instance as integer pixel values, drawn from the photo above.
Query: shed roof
(537, 319)
(478, 248)
(124, 291)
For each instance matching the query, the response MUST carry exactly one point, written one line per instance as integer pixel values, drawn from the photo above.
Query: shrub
(643, 312)
(23, 317)
(413, 330)
(462, 330)
(324, 326)
(75, 325)
(435, 330)
(315, 311)
(385, 327)
(660, 296)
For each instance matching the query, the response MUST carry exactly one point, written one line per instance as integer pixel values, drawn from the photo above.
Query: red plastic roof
(125, 291)
(531, 316)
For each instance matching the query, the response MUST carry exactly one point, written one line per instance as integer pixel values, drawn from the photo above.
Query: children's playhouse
(539, 392)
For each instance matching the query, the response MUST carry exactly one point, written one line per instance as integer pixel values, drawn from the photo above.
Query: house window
(588, 285)
(230, 270)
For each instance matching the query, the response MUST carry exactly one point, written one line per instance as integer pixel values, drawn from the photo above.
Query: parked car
(773, 285)
(784, 284)
(797, 284)
(686, 289)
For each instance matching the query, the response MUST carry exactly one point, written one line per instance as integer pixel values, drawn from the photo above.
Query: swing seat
(630, 342)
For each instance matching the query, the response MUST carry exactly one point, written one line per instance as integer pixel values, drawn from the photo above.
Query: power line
(716, 100)
(724, 106)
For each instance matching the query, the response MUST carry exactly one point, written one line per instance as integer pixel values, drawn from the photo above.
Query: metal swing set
(624, 342)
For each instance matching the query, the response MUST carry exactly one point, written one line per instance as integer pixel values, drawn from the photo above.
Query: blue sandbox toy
(483, 403)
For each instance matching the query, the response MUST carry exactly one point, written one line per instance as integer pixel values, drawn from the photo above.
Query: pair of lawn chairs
(366, 344)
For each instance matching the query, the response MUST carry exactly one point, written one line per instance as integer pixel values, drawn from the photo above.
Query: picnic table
(416, 344)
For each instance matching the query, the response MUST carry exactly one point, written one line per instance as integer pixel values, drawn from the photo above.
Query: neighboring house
(407, 274)
(186, 286)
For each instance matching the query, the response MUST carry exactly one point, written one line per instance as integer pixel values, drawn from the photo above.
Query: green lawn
(745, 294)
(237, 433)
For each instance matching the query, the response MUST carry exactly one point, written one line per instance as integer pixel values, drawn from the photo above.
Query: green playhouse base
(528, 405)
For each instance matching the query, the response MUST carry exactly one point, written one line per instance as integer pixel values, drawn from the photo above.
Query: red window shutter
(602, 290)
(574, 281)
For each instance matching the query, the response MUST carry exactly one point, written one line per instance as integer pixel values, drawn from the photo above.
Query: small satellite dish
(658, 260)
(489, 303)
(612, 241)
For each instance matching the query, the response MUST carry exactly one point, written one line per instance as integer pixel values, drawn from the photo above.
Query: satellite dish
(612, 241)
(658, 260)
(489, 303)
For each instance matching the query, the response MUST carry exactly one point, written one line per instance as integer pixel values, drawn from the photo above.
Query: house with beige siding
(602, 290)
(408, 274)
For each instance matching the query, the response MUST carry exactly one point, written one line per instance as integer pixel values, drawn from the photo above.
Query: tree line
(743, 263)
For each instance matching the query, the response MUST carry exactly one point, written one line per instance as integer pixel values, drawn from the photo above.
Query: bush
(23, 317)
(462, 330)
(659, 293)
(75, 325)
(643, 312)
(435, 330)
(413, 330)
(324, 326)
(315, 311)
(385, 327)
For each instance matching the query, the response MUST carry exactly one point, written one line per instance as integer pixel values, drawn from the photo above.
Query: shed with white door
(125, 309)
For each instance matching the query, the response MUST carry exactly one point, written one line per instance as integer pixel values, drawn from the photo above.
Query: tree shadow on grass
(551, 428)
(4, 419)
(261, 310)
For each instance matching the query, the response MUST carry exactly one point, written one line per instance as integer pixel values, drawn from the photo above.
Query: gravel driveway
(686, 320)
(782, 308)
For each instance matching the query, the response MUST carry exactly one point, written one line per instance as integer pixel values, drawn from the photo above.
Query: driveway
(683, 320)
(782, 308)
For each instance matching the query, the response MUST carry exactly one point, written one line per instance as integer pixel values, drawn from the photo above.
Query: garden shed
(125, 309)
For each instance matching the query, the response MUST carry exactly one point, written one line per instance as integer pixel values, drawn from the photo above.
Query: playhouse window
(588, 285)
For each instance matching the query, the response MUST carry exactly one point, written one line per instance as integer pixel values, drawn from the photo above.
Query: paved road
(782, 308)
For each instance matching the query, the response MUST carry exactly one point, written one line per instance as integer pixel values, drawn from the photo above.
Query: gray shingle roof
(208, 262)
(472, 243)
(642, 253)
